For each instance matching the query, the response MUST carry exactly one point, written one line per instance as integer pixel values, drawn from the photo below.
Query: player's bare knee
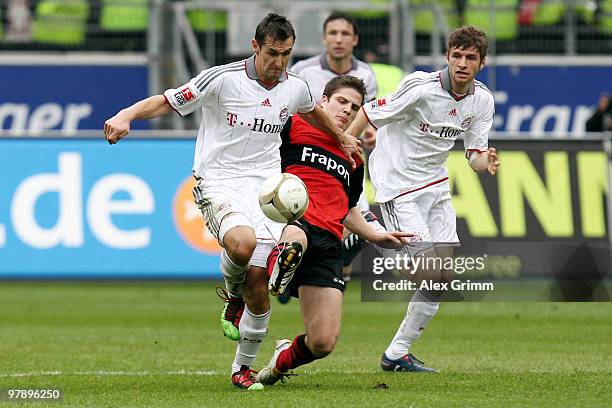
(448, 275)
(321, 345)
(242, 253)
(427, 274)
(432, 267)
(293, 233)
(435, 274)
(241, 248)
(240, 242)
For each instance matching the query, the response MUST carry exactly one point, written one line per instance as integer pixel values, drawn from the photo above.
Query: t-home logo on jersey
(444, 132)
(256, 124)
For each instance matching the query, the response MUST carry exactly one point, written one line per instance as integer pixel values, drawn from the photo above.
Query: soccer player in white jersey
(340, 37)
(244, 107)
(417, 127)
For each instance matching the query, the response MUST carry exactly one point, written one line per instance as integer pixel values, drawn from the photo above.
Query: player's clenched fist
(116, 127)
(369, 138)
(351, 146)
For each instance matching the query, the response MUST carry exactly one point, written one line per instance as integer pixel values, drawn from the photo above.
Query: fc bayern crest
(284, 114)
(466, 122)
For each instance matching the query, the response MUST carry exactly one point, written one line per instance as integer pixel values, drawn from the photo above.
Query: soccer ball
(283, 198)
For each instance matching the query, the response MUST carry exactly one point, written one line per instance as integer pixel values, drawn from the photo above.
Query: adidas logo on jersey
(266, 103)
(453, 112)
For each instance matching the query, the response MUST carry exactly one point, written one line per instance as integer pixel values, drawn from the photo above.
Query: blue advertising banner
(548, 99)
(538, 99)
(81, 208)
(535, 99)
(67, 98)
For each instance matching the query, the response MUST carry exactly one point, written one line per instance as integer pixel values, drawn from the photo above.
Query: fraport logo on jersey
(189, 222)
(256, 125)
(325, 162)
(183, 96)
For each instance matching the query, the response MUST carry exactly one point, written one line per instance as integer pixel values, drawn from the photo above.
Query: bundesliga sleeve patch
(377, 103)
(183, 96)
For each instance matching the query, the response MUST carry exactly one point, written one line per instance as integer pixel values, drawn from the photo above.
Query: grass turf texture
(159, 344)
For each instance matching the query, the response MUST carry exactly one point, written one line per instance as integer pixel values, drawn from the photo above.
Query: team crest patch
(284, 114)
(466, 122)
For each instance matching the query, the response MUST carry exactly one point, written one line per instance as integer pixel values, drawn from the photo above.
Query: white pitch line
(108, 373)
(202, 373)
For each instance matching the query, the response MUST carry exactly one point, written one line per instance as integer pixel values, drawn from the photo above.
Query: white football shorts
(429, 213)
(236, 203)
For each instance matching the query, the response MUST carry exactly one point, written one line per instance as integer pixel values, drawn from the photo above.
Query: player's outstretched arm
(118, 126)
(321, 120)
(485, 161)
(359, 124)
(355, 223)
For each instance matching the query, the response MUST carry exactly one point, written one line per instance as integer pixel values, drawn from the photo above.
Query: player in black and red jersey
(308, 261)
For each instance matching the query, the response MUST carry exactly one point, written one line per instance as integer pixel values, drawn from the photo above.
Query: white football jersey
(241, 118)
(317, 72)
(417, 127)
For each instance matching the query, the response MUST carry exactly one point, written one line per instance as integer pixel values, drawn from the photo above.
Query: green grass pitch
(159, 344)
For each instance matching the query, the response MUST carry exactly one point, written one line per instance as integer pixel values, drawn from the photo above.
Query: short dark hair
(338, 15)
(345, 81)
(274, 26)
(467, 37)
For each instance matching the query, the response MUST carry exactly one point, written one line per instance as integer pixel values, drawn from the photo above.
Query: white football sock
(420, 311)
(253, 330)
(233, 275)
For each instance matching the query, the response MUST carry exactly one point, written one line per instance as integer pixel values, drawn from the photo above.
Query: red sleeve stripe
(469, 151)
(368, 118)
(168, 102)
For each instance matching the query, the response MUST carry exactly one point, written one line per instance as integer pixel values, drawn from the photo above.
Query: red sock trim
(273, 257)
(296, 355)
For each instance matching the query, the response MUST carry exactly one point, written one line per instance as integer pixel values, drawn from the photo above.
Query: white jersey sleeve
(305, 101)
(394, 107)
(476, 138)
(192, 95)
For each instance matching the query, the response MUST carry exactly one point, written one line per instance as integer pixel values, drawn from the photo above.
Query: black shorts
(322, 262)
